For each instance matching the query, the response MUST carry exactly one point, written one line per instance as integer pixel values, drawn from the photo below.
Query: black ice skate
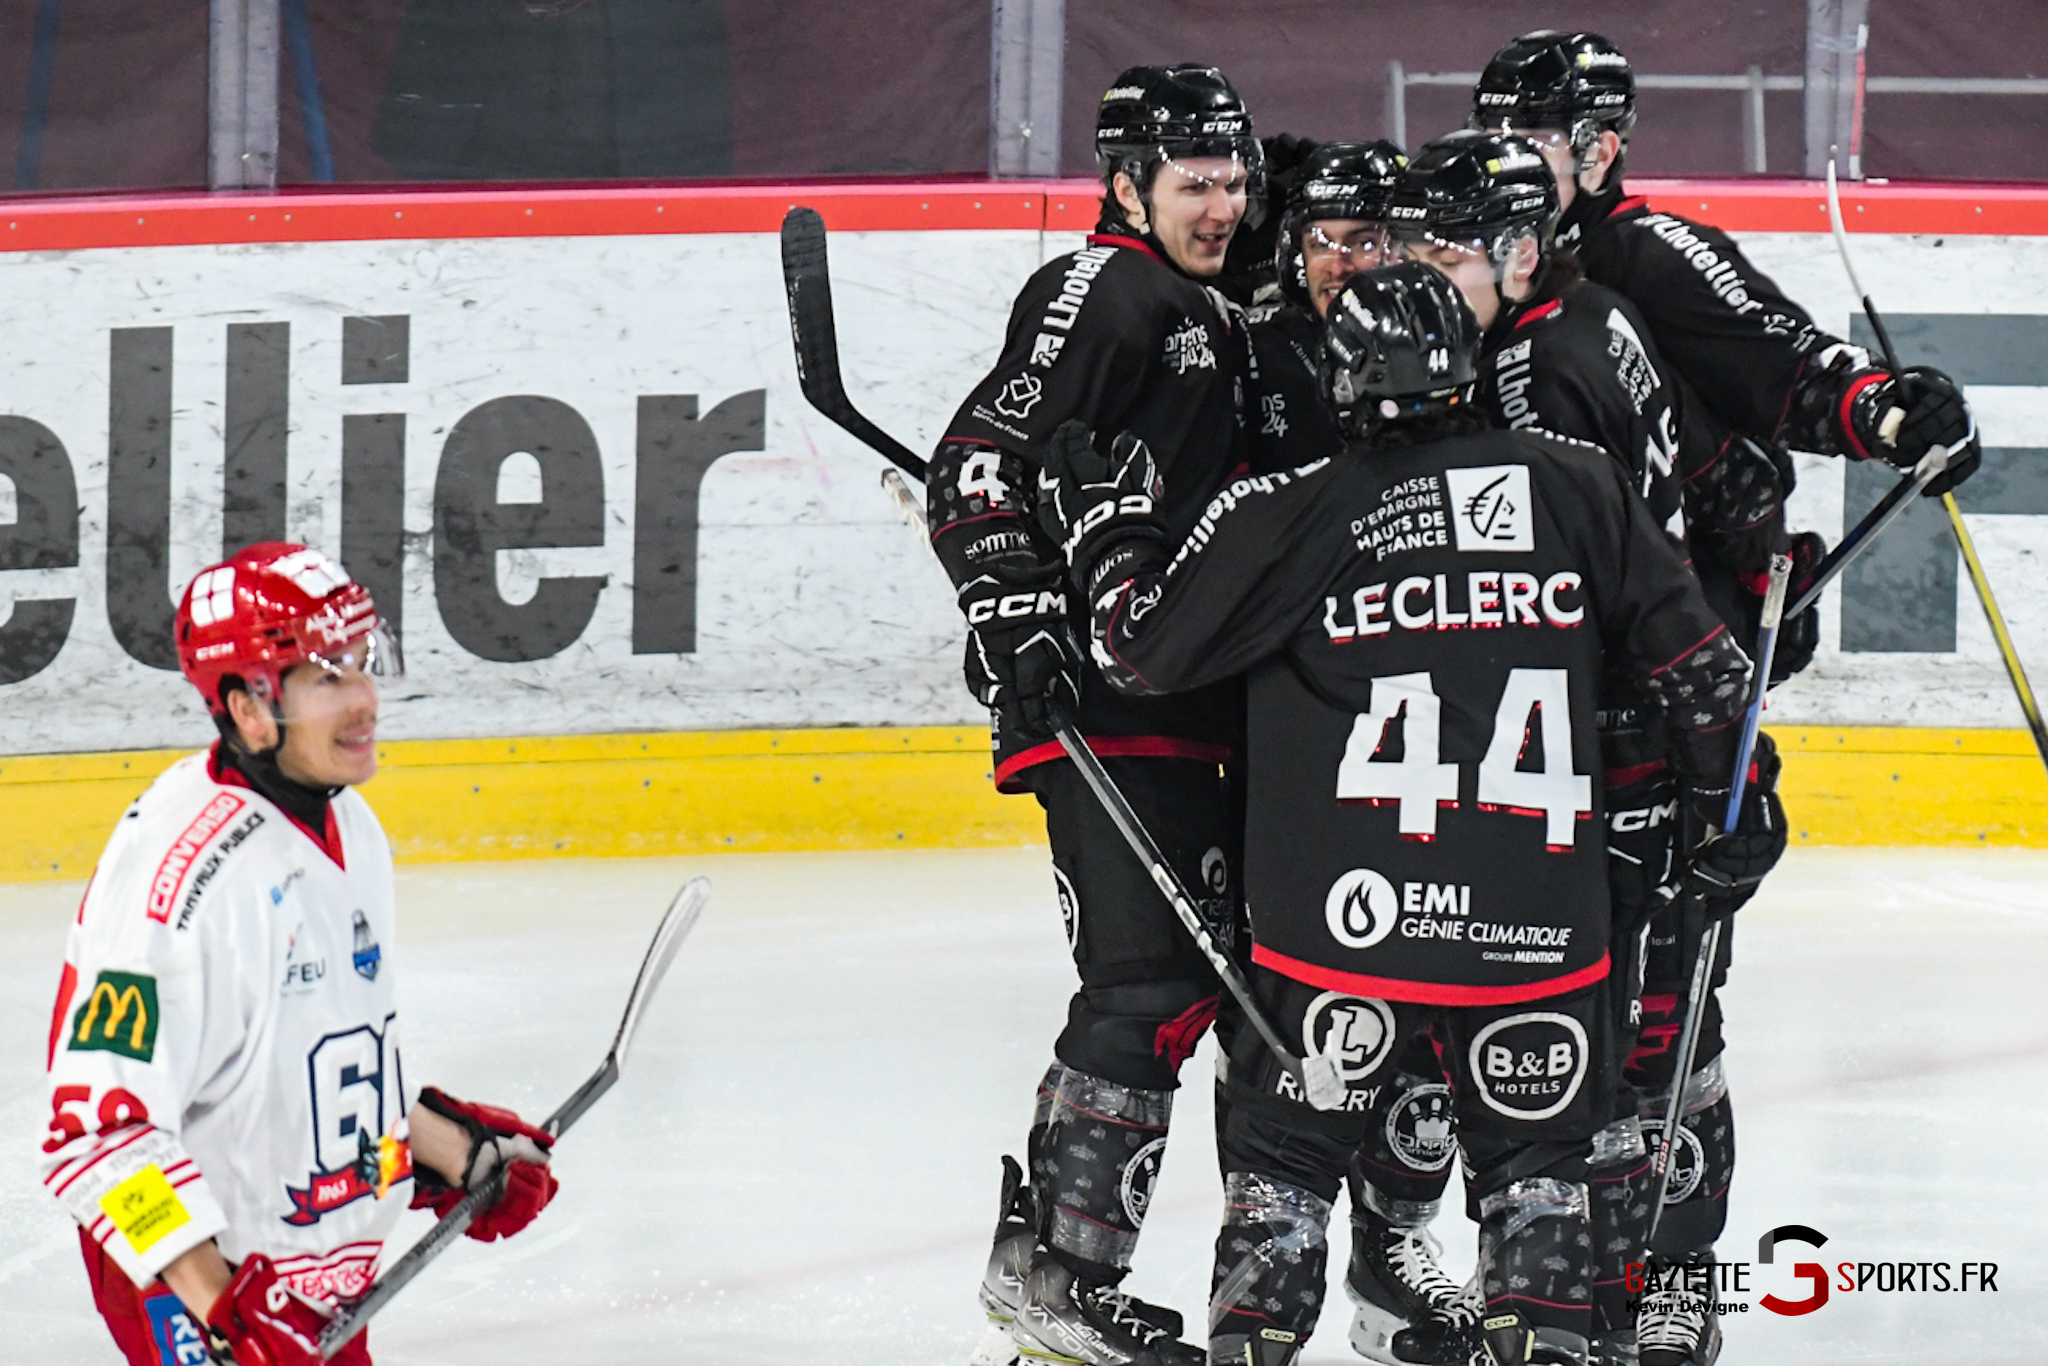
(1009, 1262)
(1014, 1251)
(1396, 1282)
(1678, 1327)
(1063, 1320)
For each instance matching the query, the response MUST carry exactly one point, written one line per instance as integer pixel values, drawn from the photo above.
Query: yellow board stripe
(913, 788)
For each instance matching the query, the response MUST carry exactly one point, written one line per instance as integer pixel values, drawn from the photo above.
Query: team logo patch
(1020, 396)
(1530, 1066)
(1070, 907)
(1491, 508)
(1688, 1159)
(118, 1017)
(367, 953)
(171, 873)
(1361, 908)
(1216, 871)
(1135, 1187)
(1419, 1132)
(1356, 1032)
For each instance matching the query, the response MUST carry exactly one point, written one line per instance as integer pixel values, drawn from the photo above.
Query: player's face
(1470, 269)
(1196, 207)
(1335, 249)
(330, 733)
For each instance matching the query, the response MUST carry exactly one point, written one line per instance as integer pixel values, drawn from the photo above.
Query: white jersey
(225, 1043)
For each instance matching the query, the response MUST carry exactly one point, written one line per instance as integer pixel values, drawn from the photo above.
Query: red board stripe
(57, 224)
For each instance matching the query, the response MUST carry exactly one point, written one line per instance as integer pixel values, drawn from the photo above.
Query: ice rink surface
(800, 1166)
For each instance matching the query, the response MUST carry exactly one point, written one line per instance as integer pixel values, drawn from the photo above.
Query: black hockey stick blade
(676, 923)
(807, 277)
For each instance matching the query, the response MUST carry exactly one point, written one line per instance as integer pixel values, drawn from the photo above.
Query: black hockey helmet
(1155, 114)
(1339, 180)
(1480, 191)
(1578, 82)
(1400, 342)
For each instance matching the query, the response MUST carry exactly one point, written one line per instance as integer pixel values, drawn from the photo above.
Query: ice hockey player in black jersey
(1424, 620)
(1762, 368)
(1759, 368)
(1334, 225)
(1122, 334)
(1564, 355)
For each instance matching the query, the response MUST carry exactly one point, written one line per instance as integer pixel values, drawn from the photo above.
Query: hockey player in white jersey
(231, 1124)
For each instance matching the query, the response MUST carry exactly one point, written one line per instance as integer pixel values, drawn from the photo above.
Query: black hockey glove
(1101, 511)
(1022, 654)
(1798, 637)
(1727, 866)
(1900, 420)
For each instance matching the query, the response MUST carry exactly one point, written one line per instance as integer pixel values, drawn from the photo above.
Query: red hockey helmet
(272, 606)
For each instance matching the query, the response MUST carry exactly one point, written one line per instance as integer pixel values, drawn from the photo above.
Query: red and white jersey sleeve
(224, 1048)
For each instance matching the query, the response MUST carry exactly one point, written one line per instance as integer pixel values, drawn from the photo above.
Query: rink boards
(560, 431)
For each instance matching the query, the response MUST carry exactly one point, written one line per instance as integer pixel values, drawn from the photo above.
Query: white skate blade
(1372, 1331)
(997, 1347)
(1321, 1083)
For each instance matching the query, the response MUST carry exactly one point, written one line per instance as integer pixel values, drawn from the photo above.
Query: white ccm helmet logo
(1361, 909)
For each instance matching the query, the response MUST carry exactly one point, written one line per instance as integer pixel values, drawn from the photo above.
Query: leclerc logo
(1813, 1272)
(1361, 909)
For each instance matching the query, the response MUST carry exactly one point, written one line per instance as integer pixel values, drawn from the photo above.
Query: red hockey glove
(496, 1138)
(264, 1322)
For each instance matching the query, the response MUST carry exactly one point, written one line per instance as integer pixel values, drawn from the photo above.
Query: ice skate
(1068, 1321)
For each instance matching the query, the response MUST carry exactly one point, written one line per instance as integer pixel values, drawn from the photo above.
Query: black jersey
(1114, 336)
(1745, 348)
(1579, 363)
(1425, 627)
(1576, 362)
(1288, 420)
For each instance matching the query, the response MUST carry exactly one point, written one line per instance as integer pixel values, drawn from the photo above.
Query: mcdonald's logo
(119, 1016)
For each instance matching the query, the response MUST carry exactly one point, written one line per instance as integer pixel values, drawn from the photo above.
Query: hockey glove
(1901, 420)
(261, 1321)
(1101, 511)
(1798, 637)
(1022, 653)
(1727, 866)
(497, 1138)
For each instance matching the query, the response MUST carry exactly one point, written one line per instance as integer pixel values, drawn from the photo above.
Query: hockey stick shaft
(1767, 650)
(1710, 942)
(2008, 654)
(807, 278)
(1147, 850)
(1996, 620)
(676, 923)
(1118, 808)
(1681, 1074)
(1860, 538)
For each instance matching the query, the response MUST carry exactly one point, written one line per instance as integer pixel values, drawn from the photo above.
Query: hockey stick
(2007, 653)
(1321, 1084)
(676, 922)
(1316, 1074)
(1710, 942)
(807, 277)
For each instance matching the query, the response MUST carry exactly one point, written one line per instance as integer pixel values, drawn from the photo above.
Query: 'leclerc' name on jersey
(1491, 597)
